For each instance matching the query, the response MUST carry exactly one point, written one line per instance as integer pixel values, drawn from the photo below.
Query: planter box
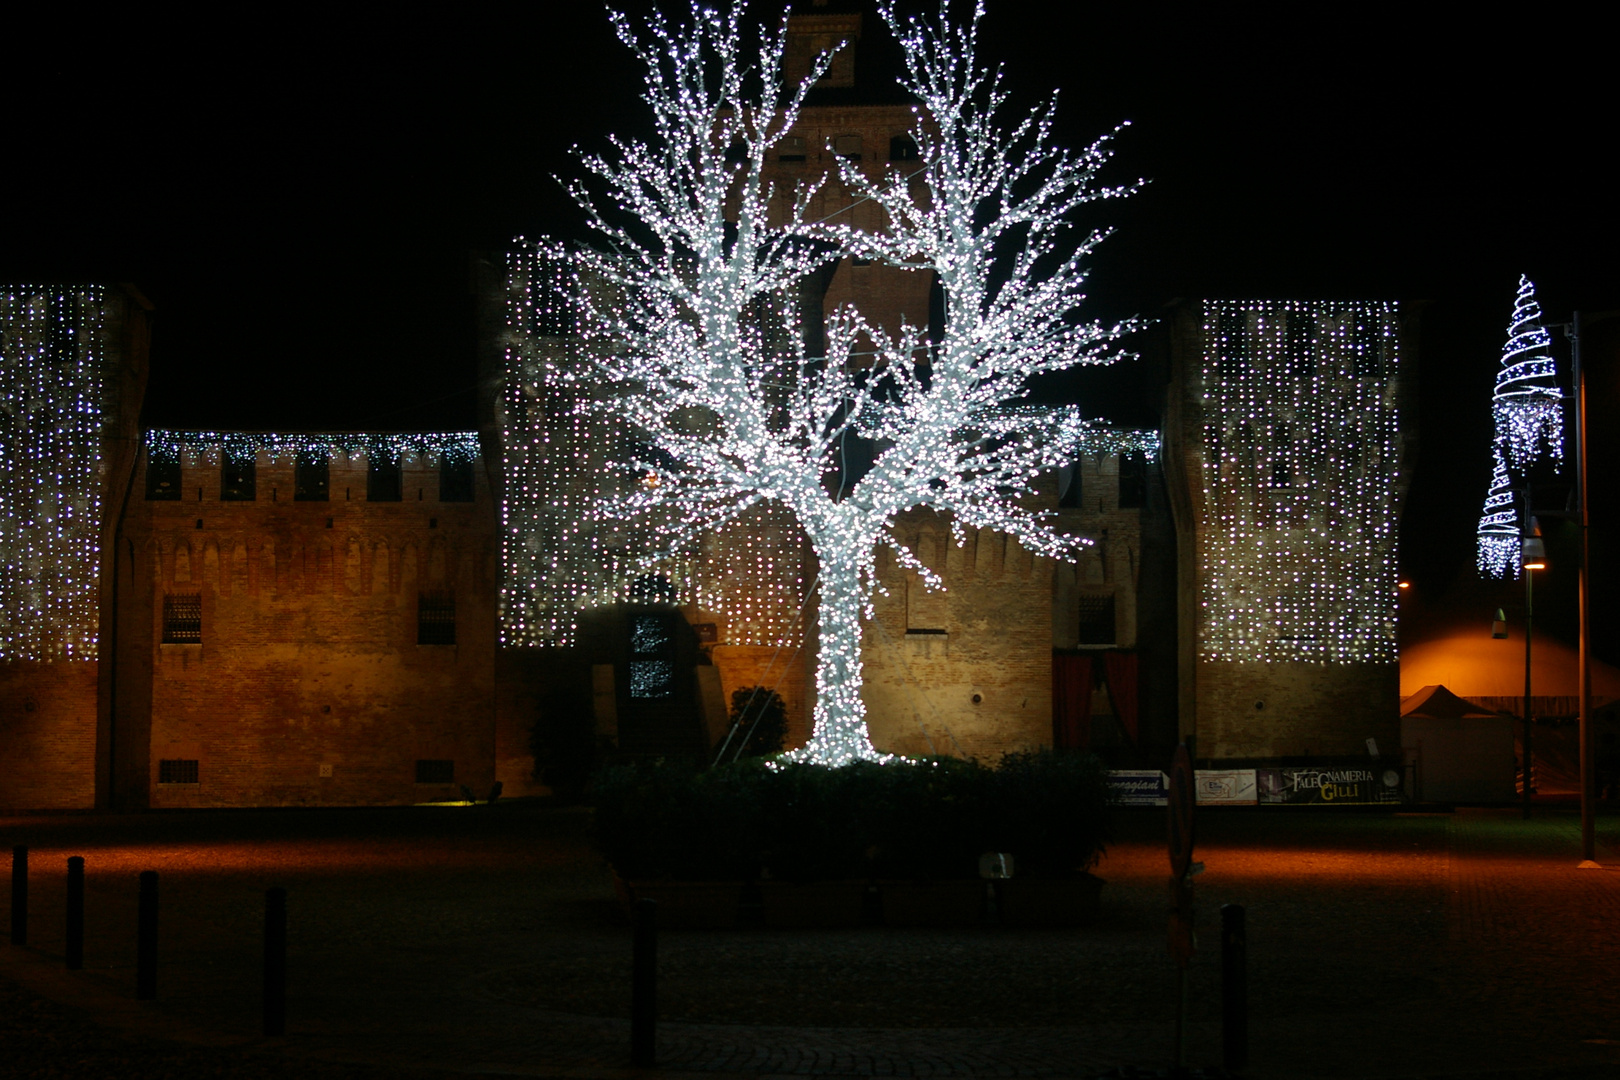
(933, 903)
(1031, 902)
(812, 903)
(687, 905)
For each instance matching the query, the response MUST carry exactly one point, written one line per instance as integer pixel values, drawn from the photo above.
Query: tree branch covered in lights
(678, 306)
(1528, 409)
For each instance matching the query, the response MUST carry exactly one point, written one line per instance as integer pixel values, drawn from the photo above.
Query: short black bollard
(146, 924)
(644, 986)
(75, 913)
(1234, 986)
(19, 895)
(275, 961)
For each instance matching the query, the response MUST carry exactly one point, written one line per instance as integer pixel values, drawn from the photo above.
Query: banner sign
(1225, 787)
(1139, 787)
(1324, 785)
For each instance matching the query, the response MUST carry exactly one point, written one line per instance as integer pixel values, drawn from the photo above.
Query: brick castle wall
(983, 686)
(308, 687)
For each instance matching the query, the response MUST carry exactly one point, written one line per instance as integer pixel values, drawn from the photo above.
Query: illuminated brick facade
(300, 627)
(1285, 432)
(73, 366)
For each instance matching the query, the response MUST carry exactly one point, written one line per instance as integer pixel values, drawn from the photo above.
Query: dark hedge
(926, 819)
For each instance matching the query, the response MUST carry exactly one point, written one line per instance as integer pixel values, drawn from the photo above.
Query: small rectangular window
(435, 771)
(182, 619)
(383, 478)
(1070, 488)
(792, 150)
(238, 478)
(163, 478)
(177, 771)
(455, 478)
(436, 618)
(1096, 620)
(847, 147)
(1132, 480)
(312, 476)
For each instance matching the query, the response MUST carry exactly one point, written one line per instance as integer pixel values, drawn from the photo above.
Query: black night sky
(301, 193)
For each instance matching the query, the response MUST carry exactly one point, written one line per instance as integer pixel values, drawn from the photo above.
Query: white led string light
(568, 452)
(1300, 452)
(686, 339)
(167, 446)
(51, 417)
(1528, 411)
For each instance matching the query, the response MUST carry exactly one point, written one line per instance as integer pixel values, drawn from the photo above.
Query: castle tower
(73, 366)
(1285, 427)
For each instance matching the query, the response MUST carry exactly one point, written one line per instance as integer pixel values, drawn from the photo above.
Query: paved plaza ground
(435, 942)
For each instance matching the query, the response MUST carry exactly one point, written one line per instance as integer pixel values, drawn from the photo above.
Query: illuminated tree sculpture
(702, 256)
(1528, 410)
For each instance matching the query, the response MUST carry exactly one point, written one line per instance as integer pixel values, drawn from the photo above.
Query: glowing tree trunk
(839, 733)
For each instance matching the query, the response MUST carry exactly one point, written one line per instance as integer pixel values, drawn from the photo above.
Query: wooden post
(275, 961)
(19, 895)
(1234, 986)
(75, 913)
(146, 937)
(643, 986)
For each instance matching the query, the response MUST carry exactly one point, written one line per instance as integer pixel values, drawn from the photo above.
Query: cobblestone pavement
(439, 942)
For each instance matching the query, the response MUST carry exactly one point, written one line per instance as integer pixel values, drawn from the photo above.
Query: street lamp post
(1533, 552)
(1572, 330)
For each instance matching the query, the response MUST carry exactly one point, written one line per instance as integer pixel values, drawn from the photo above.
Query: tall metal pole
(1529, 619)
(1584, 675)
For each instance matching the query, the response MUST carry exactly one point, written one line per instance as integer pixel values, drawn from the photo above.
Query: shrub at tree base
(759, 720)
(928, 819)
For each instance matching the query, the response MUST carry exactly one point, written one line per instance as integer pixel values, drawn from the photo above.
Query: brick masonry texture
(56, 717)
(308, 687)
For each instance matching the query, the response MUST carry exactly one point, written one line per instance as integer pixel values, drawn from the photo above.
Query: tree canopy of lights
(1528, 409)
(683, 305)
(1300, 458)
(52, 359)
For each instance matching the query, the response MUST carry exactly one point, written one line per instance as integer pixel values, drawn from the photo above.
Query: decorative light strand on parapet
(52, 381)
(1528, 412)
(167, 446)
(1297, 522)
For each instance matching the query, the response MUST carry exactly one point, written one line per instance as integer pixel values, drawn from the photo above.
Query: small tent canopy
(1438, 703)
(1457, 751)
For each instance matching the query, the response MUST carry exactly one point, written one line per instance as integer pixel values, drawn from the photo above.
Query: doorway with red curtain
(1071, 701)
(1120, 672)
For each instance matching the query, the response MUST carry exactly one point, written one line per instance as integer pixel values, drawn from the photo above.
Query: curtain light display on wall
(1528, 411)
(572, 459)
(52, 408)
(1297, 541)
